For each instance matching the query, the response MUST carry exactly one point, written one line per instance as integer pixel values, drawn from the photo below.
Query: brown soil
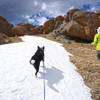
(84, 58)
(86, 61)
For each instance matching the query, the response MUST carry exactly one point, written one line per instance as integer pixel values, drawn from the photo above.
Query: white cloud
(30, 20)
(93, 9)
(42, 20)
(53, 9)
(72, 7)
(26, 16)
(35, 3)
(39, 20)
(13, 9)
(44, 6)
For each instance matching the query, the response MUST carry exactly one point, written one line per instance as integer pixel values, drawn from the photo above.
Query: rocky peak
(5, 26)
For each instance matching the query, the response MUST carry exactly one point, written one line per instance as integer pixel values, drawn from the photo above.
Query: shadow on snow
(53, 76)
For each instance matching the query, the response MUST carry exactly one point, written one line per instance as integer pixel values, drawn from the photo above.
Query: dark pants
(98, 56)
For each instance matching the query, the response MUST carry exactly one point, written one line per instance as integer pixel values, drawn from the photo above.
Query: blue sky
(16, 11)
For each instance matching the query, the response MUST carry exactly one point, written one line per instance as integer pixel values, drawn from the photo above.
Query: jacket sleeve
(95, 40)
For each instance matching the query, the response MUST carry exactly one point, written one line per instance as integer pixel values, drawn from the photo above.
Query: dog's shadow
(53, 76)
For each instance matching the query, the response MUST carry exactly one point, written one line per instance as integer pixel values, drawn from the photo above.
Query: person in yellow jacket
(97, 43)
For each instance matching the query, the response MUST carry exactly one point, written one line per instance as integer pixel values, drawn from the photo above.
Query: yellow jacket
(96, 41)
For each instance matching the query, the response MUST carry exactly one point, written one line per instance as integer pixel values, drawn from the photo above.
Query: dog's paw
(35, 76)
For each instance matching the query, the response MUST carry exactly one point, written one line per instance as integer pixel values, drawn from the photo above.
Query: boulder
(4, 38)
(81, 24)
(5, 27)
(69, 14)
(61, 30)
(75, 30)
(37, 30)
(23, 29)
(27, 29)
(98, 12)
(58, 21)
(53, 24)
(49, 26)
(82, 17)
(19, 31)
(89, 20)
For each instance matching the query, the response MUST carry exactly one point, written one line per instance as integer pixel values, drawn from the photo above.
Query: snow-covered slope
(17, 81)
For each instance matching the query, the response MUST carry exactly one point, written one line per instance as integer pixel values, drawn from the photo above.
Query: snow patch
(17, 75)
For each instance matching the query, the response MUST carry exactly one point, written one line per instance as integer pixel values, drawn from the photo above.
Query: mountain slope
(17, 75)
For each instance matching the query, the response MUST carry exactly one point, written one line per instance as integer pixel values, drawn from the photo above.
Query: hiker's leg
(98, 56)
(99, 61)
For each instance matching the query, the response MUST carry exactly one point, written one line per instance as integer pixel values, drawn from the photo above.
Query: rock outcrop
(74, 29)
(79, 24)
(68, 16)
(23, 29)
(53, 24)
(98, 12)
(27, 29)
(38, 30)
(5, 27)
(4, 38)
(83, 25)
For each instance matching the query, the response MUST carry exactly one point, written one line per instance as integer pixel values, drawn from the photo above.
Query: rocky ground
(87, 65)
(84, 58)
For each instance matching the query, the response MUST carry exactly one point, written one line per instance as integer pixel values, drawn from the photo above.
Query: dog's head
(40, 50)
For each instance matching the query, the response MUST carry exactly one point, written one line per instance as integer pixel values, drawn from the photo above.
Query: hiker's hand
(91, 46)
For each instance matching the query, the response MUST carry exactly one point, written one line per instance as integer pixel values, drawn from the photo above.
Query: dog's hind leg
(37, 70)
(36, 65)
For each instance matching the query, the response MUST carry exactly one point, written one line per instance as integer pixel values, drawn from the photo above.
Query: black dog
(37, 57)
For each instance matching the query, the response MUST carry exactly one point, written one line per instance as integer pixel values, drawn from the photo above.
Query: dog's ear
(43, 47)
(38, 47)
